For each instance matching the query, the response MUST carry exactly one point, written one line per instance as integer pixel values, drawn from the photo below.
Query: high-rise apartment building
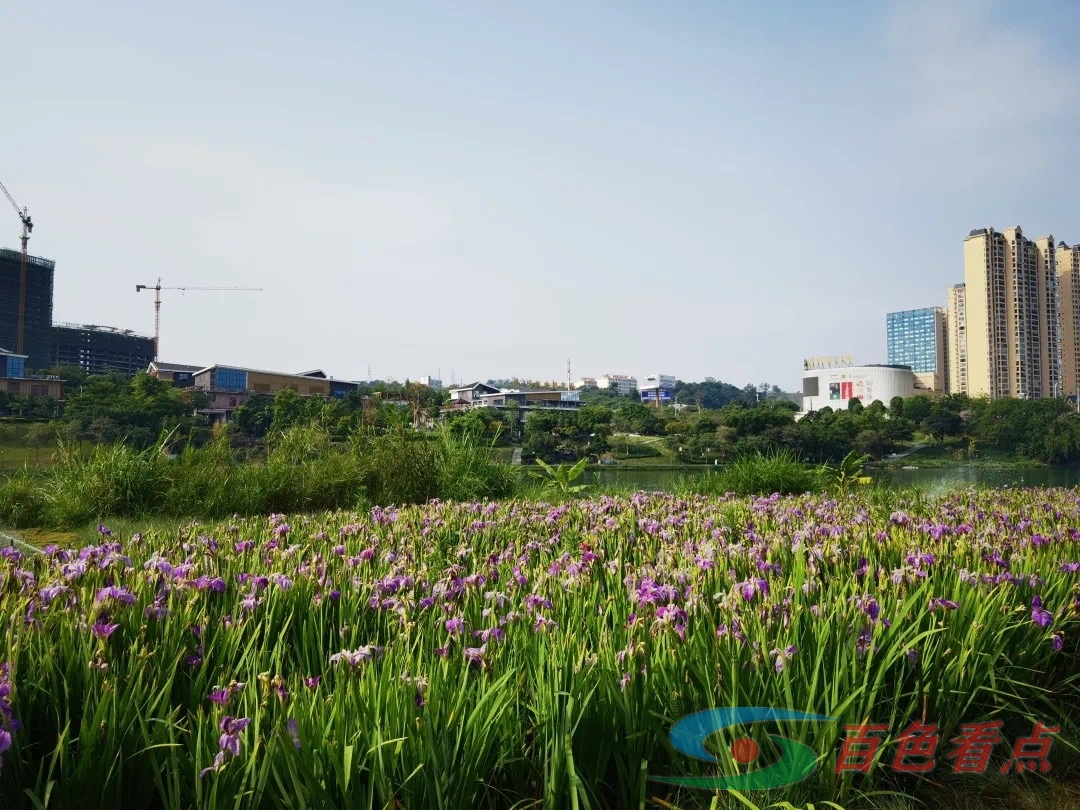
(956, 327)
(37, 309)
(1011, 319)
(1068, 269)
(917, 338)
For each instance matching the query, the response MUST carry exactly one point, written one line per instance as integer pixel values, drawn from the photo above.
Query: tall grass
(615, 618)
(303, 471)
(776, 471)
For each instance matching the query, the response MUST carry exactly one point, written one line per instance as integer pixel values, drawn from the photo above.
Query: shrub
(779, 471)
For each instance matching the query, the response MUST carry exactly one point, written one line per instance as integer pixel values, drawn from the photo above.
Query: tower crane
(157, 288)
(27, 226)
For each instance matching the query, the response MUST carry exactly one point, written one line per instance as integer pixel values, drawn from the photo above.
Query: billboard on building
(865, 383)
(652, 394)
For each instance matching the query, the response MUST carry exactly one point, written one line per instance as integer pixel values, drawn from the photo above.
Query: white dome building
(834, 388)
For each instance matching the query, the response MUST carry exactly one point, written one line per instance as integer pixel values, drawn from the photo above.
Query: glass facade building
(915, 339)
(230, 379)
(12, 365)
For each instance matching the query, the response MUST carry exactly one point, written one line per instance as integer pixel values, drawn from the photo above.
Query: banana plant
(560, 478)
(848, 472)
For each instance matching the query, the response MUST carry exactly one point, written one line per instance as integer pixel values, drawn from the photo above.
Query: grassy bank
(958, 453)
(303, 471)
(27, 444)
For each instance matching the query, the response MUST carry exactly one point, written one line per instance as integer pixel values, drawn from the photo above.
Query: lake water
(931, 480)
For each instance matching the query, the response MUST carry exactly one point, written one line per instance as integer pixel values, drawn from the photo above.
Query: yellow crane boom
(157, 288)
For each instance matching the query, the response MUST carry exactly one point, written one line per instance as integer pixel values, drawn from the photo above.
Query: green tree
(289, 410)
(917, 409)
(874, 443)
(135, 409)
(942, 422)
(255, 416)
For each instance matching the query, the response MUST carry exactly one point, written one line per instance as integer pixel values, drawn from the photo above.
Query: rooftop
(90, 327)
(307, 376)
(175, 367)
(471, 386)
(37, 261)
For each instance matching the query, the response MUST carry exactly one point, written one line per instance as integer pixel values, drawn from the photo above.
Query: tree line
(709, 421)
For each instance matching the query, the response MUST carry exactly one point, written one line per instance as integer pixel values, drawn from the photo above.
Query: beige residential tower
(1010, 317)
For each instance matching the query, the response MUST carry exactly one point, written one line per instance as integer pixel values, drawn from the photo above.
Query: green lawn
(27, 444)
(954, 452)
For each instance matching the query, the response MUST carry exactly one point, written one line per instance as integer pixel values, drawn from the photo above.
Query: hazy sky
(694, 188)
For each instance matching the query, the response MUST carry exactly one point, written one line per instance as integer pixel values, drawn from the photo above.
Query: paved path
(517, 456)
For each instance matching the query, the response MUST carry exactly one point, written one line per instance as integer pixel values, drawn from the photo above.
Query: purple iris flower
(1057, 641)
(221, 696)
(862, 643)
(489, 634)
(230, 733)
(455, 627)
(115, 593)
(475, 656)
(102, 629)
(1041, 617)
(945, 604)
(354, 658)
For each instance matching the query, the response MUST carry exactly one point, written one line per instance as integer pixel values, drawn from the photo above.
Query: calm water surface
(927, 479)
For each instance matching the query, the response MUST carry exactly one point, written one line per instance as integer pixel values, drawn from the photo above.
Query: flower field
(520, 654)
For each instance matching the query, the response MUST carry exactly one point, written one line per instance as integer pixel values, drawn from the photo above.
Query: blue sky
(697, 188)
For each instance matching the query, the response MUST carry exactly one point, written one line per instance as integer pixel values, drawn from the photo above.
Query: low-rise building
(467, 394)
(228, 387)
(14, 380)
(835, 386)
(338, 388)
(481, 395)
(179, 375)
(620, 383)
(657, 388)
(430, 382)
(586, 383)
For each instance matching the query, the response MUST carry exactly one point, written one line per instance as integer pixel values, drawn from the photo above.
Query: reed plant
(304, 470)
(759, 473)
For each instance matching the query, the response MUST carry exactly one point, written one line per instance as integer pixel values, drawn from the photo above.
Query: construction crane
(27, 226)
(157, 288)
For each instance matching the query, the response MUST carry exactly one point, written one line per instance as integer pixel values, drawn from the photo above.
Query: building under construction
(37, 329)
(100, 349)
